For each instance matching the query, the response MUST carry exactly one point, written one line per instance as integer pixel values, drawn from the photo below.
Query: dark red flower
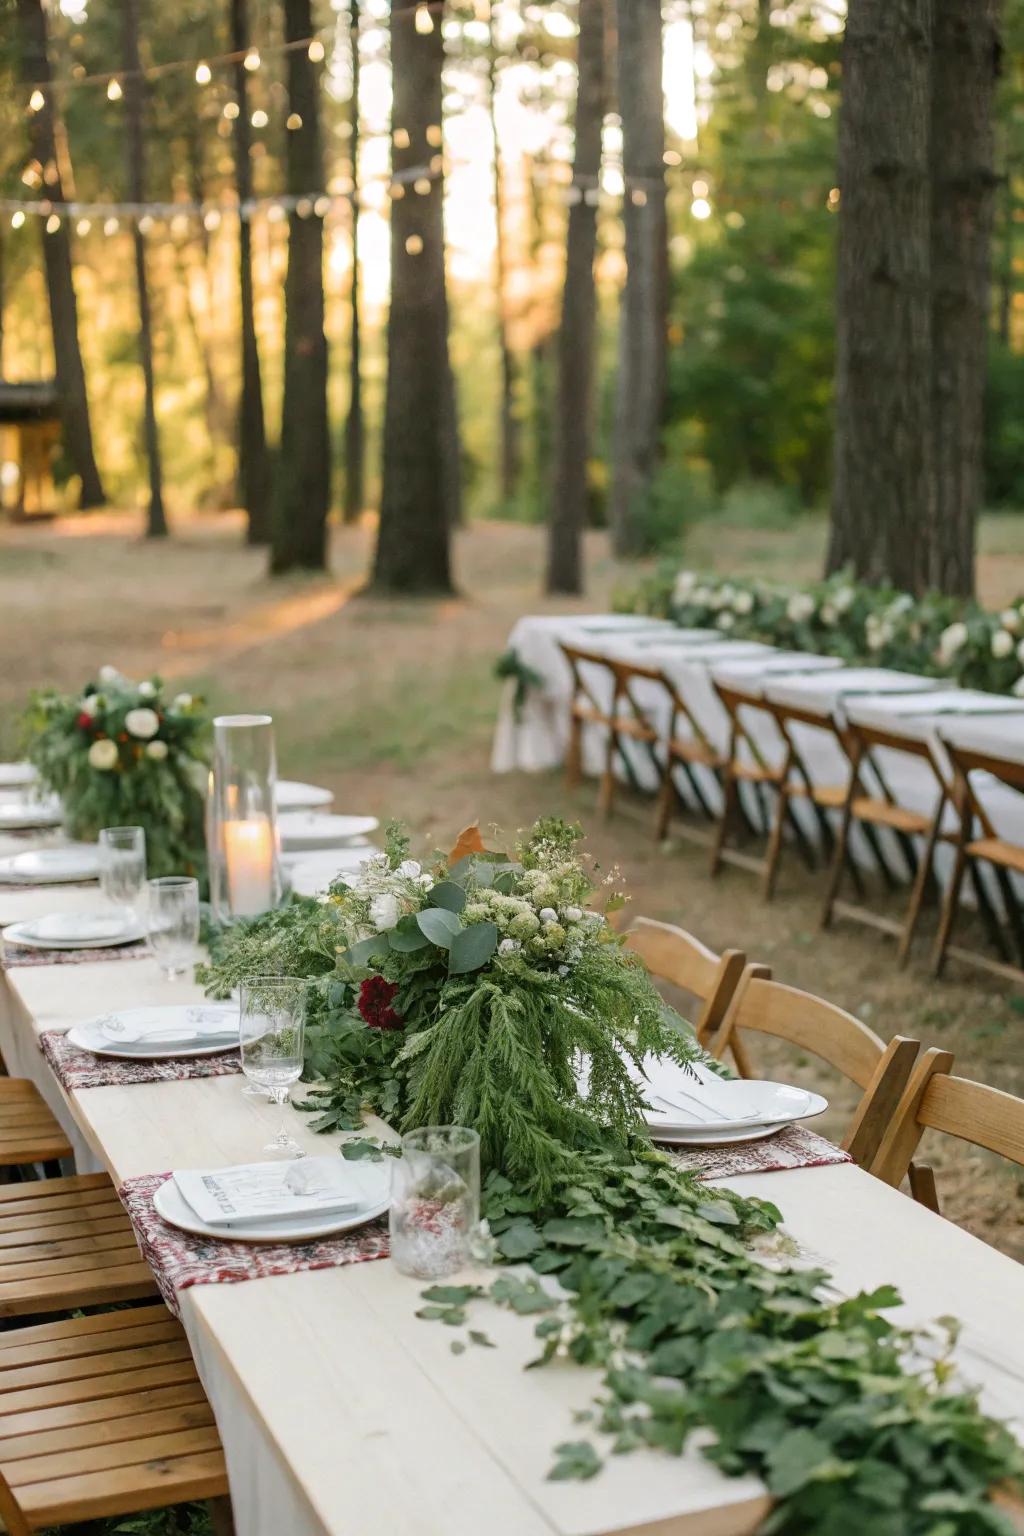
(375, 998)
(84, 721)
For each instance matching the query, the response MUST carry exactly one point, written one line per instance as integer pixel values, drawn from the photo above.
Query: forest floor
(392, 704)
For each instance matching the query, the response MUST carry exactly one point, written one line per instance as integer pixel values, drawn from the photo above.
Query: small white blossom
(410, 869)
(743, 602)
(384, 911)
(829, 613)
(89, 705)
(509, 946)
(1010, 619)
(426, 881)
(147, 690)
(725, 621)
(1002, 644)
(952, 640)
(702, 596)
(182, 701)
(573, 914)
(103, 754)
(548, 915)
(684, 585)
(142, 723)
(157, 750)
(843, 599)
(109, 674)
(799, 607)
(563, 970)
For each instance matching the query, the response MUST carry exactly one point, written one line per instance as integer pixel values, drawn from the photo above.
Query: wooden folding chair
(789, 779)
(29, 1132)
(1004, 857)
(879, 809)
(685, 745)
(824, 1030)
(621, 720)
(673, 955)
(933, 1100)
(104, 1416)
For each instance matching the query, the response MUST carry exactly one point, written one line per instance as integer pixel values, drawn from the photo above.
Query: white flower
(720, 599)
(725, 621)
(509, 946)
(89, 705)
(548, 915)
(1018, 688)
(182, 701)
(879, 633)
(426, 881)
(1002, 644)
(147, 690)
(1010, 619)
(142, 723)
(103, 754)
(684, 585)
(384, 911)
(952, 639)
(843, 599)
(409, 869)
(702, 596)
(829, 613)
(799, 607)
(157, 750)
(743, 602)
(109, 674)
(573, 914)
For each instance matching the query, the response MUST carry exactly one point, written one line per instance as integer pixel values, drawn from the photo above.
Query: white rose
(1010, 619)
(1002, 644)
(157, 750)
(147, 691)
(1018, 687)
(720, 599)
(182, 701)
(89, 705)
(843, 599)
(509, 946)
(725, 620)
(685, 583)
(384, 911)
(573, 914)
(743, 602)
(702, 596)
(829, 613)
(142, 723)
(799, 607)
(426, 881)
(952, 639)
(103, 754)
(548, 915)
(409, 869)
(109, 674)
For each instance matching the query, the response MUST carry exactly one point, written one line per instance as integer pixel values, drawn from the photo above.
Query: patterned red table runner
(75, 1068)
(20, 954)
(795, 1147)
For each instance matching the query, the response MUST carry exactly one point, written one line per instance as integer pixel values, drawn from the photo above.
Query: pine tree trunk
(883, 487)
(355, 432)
(573, 418)
(508, 423)
(640, 381)
(254, 479)
(156, 526)
(419, 501)
(965, 58)
(302, 482)
(57, 258)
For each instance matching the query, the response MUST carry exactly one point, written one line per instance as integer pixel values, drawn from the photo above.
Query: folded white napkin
(268, 1192)
(76, 926)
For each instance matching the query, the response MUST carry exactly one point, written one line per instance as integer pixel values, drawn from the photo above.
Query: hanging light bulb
(435, 137)
(114, 91)
(259, 118)
(252, 59)
(231, 109)
(400, 138)
(414, 244)
(83, 226)
(17, 218)
(203, 73)
(36, 102)
(422, 186)
(211, 219)
(316, 51)
(424, 21)
(293, 121)
(322, 207)
(53, 224)
(111, 226)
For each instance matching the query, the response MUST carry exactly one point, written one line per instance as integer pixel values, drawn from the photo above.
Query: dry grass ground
(392, 704)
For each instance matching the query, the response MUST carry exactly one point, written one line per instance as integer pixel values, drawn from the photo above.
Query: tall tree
(573, 418)
(507, 421)
(640, 380)
(35, 62)
(965, 60)
(253, 459)
(419, 500)
(302, 482)
(355, 431)
(135, 142)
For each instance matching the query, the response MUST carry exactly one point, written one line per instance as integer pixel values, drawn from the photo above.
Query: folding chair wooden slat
(675, 956)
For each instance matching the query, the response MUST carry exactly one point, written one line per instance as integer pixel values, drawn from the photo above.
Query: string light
(435, 137)
(231, 109)
(252, 60)
(53, 224)
(83, 226)
(321, 206)
(259, 118)
(293, 121)
(111, 226)
(17, 219)
(37, 101)
(316, 51)
(211, 219)
(400, 139)
(114, 91)
(414, 245)
(145, 224)
(204, 74)
(424, 21)
(422, 186)
(700, 208)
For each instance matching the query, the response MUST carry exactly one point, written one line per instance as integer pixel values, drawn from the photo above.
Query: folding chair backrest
(582, 687)
(673, 955)
(964, 762)
(827, 1031)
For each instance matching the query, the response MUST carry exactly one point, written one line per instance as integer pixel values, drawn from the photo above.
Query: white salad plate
(307, 829)
(171, 1029)
(28, 815)
(75, 930)
(290, 795)
(312, 874)
(680, 1102)
(17, 775)
(174, 1208)
(673, 1137)
(52, 866)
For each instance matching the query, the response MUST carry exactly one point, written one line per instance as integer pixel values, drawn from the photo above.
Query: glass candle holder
(435, 1201)
(245, 872)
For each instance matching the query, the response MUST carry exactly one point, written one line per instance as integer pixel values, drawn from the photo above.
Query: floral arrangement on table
(122, 754)
(934, 635)
(466, 990)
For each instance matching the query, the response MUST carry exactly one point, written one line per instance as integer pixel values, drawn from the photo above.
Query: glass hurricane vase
(245, 871)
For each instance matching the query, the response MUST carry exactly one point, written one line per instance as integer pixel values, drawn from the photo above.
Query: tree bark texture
(965, 63)
(302, 485)
(508, 421)
(57, 259)
(355, 430)
(254, 477)
(419, 501)
(574, 414)
(134, 87)
(640, 381)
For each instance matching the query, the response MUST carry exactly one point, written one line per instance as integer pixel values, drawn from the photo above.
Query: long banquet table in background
(342, 1414)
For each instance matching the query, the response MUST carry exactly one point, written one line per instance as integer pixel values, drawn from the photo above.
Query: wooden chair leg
(922, 1186)
(222, 1519)
(835, 874)
(949, 907)
(730, 798)
(606, 793)
(574, 754)
(773, 853)
(665, 802)
(922, 882)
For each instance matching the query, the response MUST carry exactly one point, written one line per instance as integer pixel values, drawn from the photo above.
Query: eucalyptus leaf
(472, 948)
(439, 925)
(448, 895)
(407, 936)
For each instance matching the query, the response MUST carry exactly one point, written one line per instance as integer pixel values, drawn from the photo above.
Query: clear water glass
(123, 867)
(435, 1201)
(174, 922)
(272, 1028)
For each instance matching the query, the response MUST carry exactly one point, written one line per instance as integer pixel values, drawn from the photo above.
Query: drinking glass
(435, 1201)
(123, 866)
(272, 1029)
(174, 922)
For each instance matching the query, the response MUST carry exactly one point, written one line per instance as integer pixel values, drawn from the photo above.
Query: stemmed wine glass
(272, 1029)
(174, 922)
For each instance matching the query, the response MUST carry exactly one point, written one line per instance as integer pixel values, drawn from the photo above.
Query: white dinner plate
(52, 866)
(28, 934)
(696, 1138)
(17, 775)
(738, 1102)
(308, 829)
(26, 815)
(312, 874)
(154, 1031)
(290, 795)
(172, 1206)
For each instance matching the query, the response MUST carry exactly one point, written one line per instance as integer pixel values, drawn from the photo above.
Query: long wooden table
(343, 1414)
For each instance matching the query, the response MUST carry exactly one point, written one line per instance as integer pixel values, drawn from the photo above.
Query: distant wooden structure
(30, 427)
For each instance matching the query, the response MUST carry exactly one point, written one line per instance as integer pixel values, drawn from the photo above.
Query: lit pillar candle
(249, 858)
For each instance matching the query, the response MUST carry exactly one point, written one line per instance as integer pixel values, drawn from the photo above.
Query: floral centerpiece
(123, 754)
